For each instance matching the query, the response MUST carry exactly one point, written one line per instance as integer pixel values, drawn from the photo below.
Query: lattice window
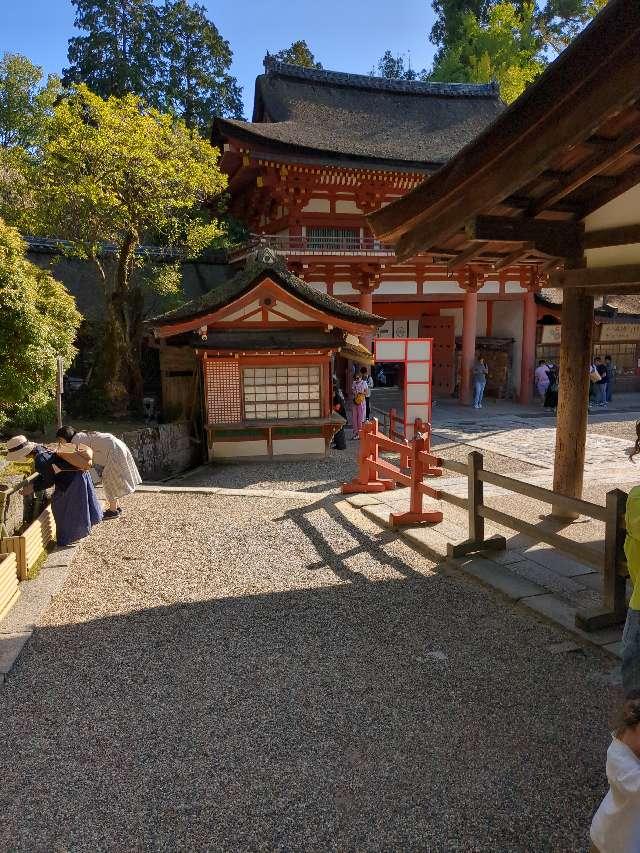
(222, 385)
(275, 393)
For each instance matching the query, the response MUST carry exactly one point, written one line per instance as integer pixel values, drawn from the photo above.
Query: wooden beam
(587, 82)
(612, 236)
(598, 162)
(611, 277)
(464, 257)
(626, 181)
(560, 239)
(513, 257)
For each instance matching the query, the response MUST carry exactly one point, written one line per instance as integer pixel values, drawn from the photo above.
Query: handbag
(76, 455)
(359, 398)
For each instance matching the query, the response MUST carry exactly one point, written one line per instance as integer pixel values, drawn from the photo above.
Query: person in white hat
(74, 503)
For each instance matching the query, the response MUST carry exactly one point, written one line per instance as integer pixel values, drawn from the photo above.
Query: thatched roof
(370, 118)
(612, 306)
(266, 264)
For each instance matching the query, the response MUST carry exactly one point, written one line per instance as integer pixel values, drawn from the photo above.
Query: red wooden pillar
(366, 284)
(469, 325)
(528, 348)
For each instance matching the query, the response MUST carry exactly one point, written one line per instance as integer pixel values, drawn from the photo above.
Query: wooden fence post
(475, 492)
(392, 423)
(614, 582)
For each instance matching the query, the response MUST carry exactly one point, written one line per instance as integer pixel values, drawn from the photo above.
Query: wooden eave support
(588, 83)
(610, 278)
(612, 237)
(558, 239)
(468, 254)
(513, 258)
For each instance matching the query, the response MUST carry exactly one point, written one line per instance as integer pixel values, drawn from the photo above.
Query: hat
(19, 447)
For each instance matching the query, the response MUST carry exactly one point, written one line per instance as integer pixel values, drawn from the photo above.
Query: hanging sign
(551, 334)
(620, 332)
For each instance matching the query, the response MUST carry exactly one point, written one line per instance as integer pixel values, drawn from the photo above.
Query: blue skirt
(75, 507)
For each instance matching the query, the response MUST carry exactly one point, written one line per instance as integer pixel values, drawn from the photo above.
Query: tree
(394, 68)
(38, 323)
(196, 82)
(121, 50)
(119, 172)
(26, 103)
(298, 54)
(505, 49)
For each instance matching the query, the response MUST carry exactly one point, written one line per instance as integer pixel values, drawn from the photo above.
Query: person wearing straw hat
(74, 503)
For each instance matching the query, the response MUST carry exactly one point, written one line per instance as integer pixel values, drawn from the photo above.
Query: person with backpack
(74, 502)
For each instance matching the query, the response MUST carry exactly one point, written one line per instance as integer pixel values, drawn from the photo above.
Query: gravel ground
(279, 674)
(618, 426)
(328, 474)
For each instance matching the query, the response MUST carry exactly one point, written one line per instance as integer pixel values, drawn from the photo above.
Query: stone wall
(164, 450)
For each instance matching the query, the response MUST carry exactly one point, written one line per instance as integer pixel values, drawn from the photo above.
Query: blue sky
(345, 35)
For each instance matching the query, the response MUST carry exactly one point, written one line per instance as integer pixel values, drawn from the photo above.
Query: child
(631, 635)
(616, 825)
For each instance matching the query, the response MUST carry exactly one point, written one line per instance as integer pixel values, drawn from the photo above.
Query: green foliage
(171, 55)
(196, 83)
(119, 51)
(26, 103)
(116, 170)
(299, 53)
(505, 49)
(162, 288)
(38, 322)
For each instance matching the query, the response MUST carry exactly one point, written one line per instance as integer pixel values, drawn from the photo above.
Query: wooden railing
(417, 462)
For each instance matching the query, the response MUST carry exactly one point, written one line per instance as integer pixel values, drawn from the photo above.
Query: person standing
(612, 372)
(74, 503)
(479, 373)
(364, 374)
(339, 406)
(112, 459)
(601, 389)
(542, 378)
(359, 407)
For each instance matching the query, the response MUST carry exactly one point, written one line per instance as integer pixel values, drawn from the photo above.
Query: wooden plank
(517, 167)
(611, 277)
(582, 553)
(614, 592)
(392, 472)
(9, 603)
(470, 252)
(8, 586)
(557, 238)
(598, 162)
(514, 257)
(625, 182)
(545, 495)
(457, 467)
(620, 236)
(475, 497)
(609, 41)
(456, 500)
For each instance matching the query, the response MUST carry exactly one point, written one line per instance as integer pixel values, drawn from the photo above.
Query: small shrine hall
(323, 150)
(265, 345)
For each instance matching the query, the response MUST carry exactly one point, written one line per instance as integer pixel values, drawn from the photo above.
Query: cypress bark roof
(266, 264)
(370, 118)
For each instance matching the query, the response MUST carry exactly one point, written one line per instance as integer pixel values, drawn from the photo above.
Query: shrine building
(323, 150)
(256, 356)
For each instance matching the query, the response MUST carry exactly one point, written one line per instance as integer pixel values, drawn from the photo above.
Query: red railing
(416, 460)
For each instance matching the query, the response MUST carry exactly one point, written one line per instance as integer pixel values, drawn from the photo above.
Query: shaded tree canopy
(38, 322)
(171, 55)
(298, 54)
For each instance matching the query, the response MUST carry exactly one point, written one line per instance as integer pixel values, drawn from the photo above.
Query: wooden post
(528, 348)
(59, 390)
(469, 324)
(614, 583)
(392, 423)
(476, 540)
(573, 398)
(476, 498)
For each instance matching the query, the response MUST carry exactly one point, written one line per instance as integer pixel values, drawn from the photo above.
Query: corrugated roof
(352, 115)
(266, 263)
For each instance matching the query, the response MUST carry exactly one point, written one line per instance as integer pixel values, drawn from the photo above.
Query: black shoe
(111, 513)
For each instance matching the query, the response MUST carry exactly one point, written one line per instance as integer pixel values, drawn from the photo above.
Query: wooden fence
(420, 462)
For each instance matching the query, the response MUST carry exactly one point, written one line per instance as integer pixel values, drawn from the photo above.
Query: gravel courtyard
(276, 673)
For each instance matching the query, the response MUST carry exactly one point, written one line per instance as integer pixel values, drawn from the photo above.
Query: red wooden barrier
(416, 457)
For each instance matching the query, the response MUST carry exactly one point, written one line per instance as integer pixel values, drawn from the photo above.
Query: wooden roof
(567, 146)
(372, 121)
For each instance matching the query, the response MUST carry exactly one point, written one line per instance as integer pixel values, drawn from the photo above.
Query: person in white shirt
(616, 825)
(112, 459)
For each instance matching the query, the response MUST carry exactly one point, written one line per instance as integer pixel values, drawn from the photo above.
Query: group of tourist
(360, 406)
(602, 375)
(69, 466)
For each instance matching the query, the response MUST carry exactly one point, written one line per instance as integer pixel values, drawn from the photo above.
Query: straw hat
(18, 448)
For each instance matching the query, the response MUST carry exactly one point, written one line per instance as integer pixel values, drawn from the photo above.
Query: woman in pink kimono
(359, 406)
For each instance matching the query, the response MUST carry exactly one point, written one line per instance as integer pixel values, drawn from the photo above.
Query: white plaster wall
(317, 205)
(613, 255)
(319, 286)
(233, 449)
(481, 323)
(513, 287)
(490, 287)
(347, 206)
(343, 288)
(443, 287)
(397, 287)
(624, 210)
(458, 315)
(507, 323)
(299, 446)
